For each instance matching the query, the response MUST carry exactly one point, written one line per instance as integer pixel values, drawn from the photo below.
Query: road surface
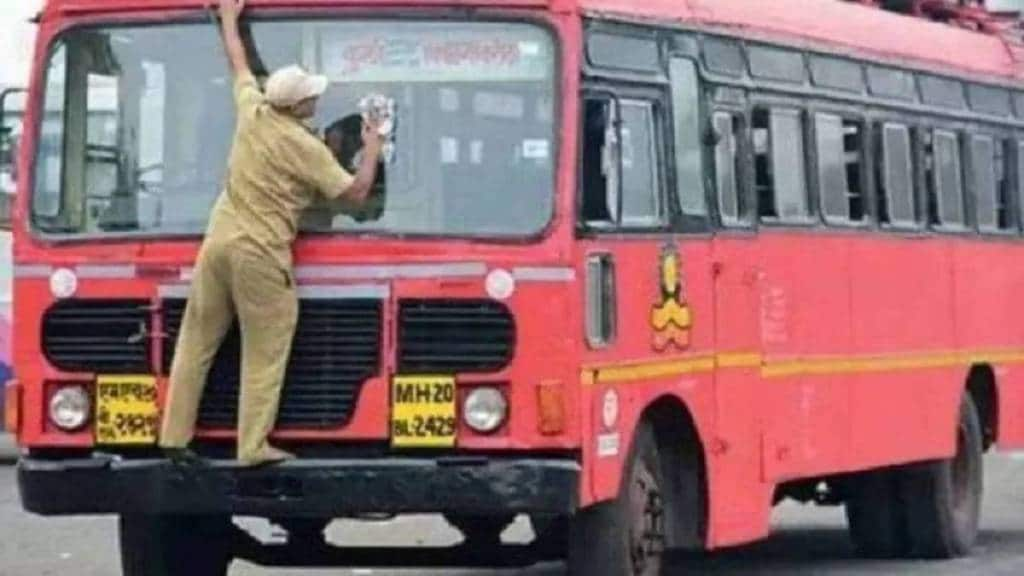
(807, 541)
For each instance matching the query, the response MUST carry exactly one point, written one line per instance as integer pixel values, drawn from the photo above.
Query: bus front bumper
(301, 488)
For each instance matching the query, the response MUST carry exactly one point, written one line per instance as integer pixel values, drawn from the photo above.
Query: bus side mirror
(11, 110)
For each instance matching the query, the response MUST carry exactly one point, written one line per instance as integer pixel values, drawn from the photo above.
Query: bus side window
(896, 198)
(600, 163)
(621, 165)
(944, 179)
(1018, 165)
(728, 128)
(840, 146)
(990, 185)
(686, 115)
(642, 204)
(780, 175)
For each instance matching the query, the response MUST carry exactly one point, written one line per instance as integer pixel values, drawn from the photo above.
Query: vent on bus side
(451, 336)
(98, 336)
(335, 350)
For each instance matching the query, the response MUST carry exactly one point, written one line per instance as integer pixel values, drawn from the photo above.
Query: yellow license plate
(126, 410)
(423, 412)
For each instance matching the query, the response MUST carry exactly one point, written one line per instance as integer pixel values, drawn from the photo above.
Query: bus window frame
(742, 166)
(202, 16)
(877, 122)
(1001, 140)
(768, 103)
(619, 92)
(682, 222)
(960, 132)
(816, 106)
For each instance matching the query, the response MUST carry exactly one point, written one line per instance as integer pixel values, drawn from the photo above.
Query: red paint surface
(781, 295)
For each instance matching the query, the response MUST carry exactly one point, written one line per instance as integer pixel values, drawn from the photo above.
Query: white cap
(291, 85)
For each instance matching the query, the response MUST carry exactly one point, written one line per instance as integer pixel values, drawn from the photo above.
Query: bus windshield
(138, 123)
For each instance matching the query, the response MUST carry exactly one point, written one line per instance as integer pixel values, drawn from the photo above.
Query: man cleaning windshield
(276, 169)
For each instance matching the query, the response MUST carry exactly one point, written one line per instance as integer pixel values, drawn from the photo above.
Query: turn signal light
(550, 408)
(12, 406)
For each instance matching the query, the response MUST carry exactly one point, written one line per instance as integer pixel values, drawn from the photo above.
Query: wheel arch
(679, 442)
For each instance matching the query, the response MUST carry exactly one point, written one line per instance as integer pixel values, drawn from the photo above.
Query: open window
(779, 170)
(991, 185)
(621, 171)
(727, 135)
(841, 179)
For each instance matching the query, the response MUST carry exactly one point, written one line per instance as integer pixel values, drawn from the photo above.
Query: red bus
(640, 270)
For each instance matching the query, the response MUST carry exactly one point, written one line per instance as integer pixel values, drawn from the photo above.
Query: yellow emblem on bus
(671, 318)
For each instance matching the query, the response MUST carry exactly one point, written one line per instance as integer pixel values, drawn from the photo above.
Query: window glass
(641, 199)
(891, 83)
(723, 56)
(777, 64)
(727, 128)
(840, 144)
(47, 199)
(688, 148)
(139, 123)
(600, 159)
(837, 73)
(1018, 148)
(896, 203)
(779, 173)
(623, 52)
(948, 176)
(986, 200)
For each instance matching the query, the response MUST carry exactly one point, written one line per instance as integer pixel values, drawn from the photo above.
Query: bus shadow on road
(829, 551)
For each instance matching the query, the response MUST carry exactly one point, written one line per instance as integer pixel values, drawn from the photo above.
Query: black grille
(455, 336)
(108, 336)
(336, 349)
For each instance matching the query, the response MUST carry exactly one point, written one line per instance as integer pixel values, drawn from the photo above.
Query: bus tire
(943, 498)
(626, 536)
(174, 545)
(876, 517)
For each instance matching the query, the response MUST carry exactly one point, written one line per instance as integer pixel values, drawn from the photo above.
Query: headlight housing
(485, 410)
(70, 407)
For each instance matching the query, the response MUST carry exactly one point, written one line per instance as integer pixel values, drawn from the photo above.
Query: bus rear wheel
(175, 545)
(944, 498)
(627, 536)
(927, 510)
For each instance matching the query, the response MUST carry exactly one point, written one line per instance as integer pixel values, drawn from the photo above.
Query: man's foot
(268, 455)
(184, 457)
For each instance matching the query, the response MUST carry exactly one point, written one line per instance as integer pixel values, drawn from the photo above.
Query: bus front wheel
(627, 536)
(174, 545)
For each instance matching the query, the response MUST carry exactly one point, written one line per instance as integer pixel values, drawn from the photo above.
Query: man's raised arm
(230, 11)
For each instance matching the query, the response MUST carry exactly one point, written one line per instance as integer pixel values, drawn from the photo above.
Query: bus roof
(855, 27)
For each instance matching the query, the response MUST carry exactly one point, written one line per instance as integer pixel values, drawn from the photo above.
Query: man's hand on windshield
(231, 9)
(373, 142)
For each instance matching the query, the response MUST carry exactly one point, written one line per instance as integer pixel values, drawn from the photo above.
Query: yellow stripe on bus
(636, 371)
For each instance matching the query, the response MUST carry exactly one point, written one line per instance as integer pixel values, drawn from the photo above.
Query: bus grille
(450, 336)
(99, 336)
(335, 350)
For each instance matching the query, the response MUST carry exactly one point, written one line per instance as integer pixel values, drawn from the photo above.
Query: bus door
(741, 398)
(649, 297)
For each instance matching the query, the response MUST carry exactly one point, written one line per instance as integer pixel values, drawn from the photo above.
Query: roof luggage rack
(968, 14)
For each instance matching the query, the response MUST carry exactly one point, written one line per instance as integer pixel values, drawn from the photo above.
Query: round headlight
(485, 409)
(69, 408)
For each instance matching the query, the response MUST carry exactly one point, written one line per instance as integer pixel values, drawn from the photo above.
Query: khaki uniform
(277, 168)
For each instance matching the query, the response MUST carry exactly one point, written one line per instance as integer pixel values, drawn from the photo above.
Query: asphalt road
(807, 541)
